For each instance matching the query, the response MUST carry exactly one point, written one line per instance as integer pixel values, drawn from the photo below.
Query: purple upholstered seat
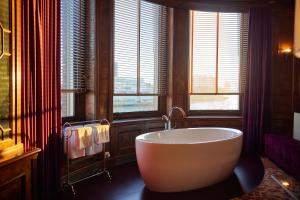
(285, 152)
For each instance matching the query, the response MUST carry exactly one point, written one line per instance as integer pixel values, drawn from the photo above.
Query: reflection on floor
(269, 189)
(127, 184)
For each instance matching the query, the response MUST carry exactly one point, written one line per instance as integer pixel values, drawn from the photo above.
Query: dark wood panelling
(228, 122)
(17, 177)
(296, 84)
(14, 189)
(282, 72)
(180, 58)
(125, 138)
(124, 134)
(154, 126)
(282, 126)
(103, 79)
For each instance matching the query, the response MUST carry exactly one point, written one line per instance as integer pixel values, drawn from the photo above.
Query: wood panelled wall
(123, 132)
(180, 58)
(282, 72)
(296, 99)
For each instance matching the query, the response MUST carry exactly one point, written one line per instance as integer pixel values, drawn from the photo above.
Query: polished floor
(127, 184)
(269, 189)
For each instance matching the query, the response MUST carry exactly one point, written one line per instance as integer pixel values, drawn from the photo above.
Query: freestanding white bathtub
(186, 159)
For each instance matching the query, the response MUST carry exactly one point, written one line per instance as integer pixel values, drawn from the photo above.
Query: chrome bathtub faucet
(167, 119)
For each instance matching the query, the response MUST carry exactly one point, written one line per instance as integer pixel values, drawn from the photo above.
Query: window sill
(135, 120)
(214, 117)
(158, 119)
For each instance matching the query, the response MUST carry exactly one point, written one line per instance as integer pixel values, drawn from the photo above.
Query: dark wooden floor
(127, 184)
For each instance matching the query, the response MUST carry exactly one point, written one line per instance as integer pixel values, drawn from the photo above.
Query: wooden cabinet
(18, 177)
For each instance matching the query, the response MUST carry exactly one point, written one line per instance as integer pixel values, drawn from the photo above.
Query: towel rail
(106, 155)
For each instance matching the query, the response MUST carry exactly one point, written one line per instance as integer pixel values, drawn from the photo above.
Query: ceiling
(223, 4)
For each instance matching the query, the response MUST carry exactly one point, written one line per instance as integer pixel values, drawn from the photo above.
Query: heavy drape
(256, 112)
(41, 110)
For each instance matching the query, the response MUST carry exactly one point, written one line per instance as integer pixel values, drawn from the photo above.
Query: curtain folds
(41, 109)
(256, 112)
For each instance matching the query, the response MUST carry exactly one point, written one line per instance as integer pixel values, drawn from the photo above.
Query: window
(73, 53)
(5, 68)
(218, 60)
(140, 55)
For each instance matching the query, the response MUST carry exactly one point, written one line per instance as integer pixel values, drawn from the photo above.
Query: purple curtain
(256, 112)
(41, 109)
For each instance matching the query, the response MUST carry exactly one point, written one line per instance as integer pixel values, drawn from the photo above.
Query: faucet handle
(165, 117)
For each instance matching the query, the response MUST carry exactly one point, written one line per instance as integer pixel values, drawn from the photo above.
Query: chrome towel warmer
(68, 182)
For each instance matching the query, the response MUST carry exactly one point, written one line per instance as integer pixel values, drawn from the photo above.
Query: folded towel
(73, 152)
(84, 137)
(102, 134)
(94, 148)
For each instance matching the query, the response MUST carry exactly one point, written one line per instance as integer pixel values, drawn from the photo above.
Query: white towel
(73, 152)
(84, 137)
(94, 148)
(297, 126)
(102, 134)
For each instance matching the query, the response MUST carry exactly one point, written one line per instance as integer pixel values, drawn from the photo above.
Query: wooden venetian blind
(219, 52)
(74, 46)
(140, 48)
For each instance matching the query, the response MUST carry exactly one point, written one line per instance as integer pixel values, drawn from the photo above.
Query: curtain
(256, 112)
(41, 109)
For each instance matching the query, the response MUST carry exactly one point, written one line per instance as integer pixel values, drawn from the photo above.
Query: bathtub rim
(238, 133)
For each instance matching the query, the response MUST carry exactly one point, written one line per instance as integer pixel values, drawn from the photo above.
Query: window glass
(74, 53)
(218, 60)
(140, 30)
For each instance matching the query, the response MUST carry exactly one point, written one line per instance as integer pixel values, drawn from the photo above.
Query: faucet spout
(179, 109)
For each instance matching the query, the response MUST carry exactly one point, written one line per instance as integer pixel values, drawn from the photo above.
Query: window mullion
(217, 54)
(192, 56)
(138, 47)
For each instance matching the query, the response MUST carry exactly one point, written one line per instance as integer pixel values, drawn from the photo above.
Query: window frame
(79, 110)
(79, 93)
(238, 112)
(162, 98)
(159, 112)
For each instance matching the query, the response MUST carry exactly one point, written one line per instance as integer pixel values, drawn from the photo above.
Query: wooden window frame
(162, 98)
(79, 105)
(79, 110)
(190, 79)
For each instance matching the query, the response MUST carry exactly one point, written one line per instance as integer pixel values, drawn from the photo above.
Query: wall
(282, 72)
(296, 85)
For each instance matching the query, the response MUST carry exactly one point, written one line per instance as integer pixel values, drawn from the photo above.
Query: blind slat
(74, 52)
(140, 47)
(74, 45)
(219, 52)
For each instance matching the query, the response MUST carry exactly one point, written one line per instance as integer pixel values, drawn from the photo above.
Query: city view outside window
(139, 42)
(218, 60)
